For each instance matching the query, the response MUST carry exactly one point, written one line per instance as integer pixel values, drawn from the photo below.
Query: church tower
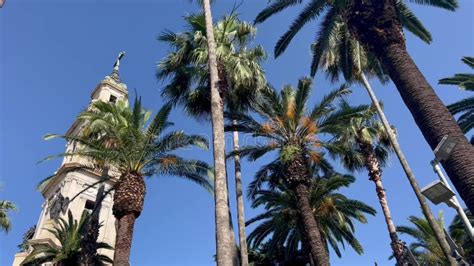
(75, 189)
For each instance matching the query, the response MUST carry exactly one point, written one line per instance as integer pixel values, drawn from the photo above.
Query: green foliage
(334, 49)
(69, 233)
(287, 153)
(5, 222)
(459, 234)
(347, 139)
(287, 126)
(279, 228)
(464, 81)
(465, 107)
(426, 248)
(128, 140)
(27, 236)
(261, 257)
(186, 66)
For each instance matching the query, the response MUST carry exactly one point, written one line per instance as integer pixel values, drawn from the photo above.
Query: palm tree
(290, 129)
(431, 116)
(337, 52)
(5, 207)
(378, 26)
(119, 136)
(70, 234)
(91, 229)
(224, 246)
(240, 78)
(426, 248)
(457, 231)
(362, 143)
(464, 107)
(334, 212)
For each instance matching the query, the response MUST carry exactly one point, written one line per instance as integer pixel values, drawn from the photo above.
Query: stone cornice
(43, 241)
(69, 167)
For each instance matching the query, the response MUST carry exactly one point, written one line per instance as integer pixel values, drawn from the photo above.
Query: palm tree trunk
(129, 198)
(223, 243)
(440, 237)
(375, 174)
(235, 252)
(123, 242)
(297, 175)
(310, 228)
(376, 24)
(240, 201)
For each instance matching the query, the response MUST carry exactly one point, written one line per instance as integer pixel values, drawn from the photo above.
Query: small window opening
(113, 99)
(89, 207)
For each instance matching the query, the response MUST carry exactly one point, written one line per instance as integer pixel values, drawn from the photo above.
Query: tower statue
(74, 188)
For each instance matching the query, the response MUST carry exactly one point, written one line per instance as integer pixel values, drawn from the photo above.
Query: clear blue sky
(53, 53)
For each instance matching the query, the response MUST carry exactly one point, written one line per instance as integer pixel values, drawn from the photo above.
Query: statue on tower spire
(117, 62)
(115, 72)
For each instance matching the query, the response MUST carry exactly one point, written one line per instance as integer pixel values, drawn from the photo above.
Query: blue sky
(54, 53)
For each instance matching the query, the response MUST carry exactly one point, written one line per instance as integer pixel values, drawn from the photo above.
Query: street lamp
(437, 192)
(442, 152)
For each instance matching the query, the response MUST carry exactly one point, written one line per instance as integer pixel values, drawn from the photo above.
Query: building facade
(75, 189)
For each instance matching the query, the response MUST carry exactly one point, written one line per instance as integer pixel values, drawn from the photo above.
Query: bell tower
(75, 189)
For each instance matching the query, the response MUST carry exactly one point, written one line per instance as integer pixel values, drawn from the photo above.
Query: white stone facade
(68, 182)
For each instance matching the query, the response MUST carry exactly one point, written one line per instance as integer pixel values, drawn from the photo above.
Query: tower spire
(115, 72)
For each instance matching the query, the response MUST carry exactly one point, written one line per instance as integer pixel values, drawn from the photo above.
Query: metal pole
(454, 199)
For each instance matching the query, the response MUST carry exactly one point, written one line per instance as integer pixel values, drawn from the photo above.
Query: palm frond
(276, 7)
(310, 12)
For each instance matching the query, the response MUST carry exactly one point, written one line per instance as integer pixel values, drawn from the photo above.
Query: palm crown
(69, 233)
(426, 249)
(364, 129)
(334, 212)
(123, 138)
(5, 207)
(240, 73)
(332, 11)
(334, 48)
(288, 127)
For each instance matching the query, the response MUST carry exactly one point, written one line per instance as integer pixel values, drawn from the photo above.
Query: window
(89, 207)
(113, 99)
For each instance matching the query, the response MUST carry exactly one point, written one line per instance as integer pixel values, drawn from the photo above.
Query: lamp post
(442, 152)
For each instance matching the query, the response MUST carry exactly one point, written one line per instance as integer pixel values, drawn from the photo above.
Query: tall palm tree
(240, 78)
(5, 222)
(288, 128)
(224, 246)
(121, 137)
(465, 81)
(70, 234)
(335, 213)
(337, 51)
(338, 54)
(373, 23)
(363, 143)
(379, 27)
